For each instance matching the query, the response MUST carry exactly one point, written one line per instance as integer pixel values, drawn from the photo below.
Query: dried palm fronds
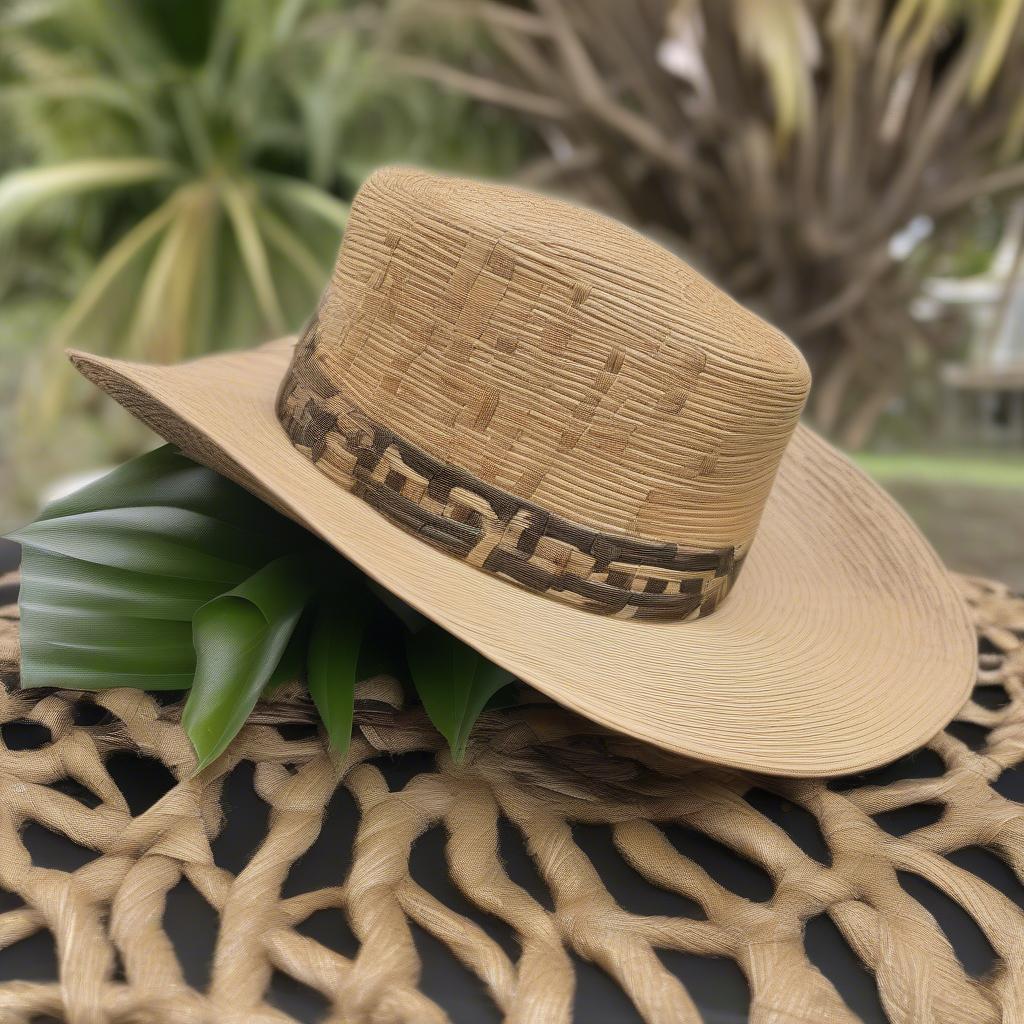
(781, 144)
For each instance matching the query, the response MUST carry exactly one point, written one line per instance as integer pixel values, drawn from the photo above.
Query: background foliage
(178, 184)
(795, 149)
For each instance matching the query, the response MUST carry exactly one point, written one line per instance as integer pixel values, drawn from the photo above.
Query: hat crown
(558, 356)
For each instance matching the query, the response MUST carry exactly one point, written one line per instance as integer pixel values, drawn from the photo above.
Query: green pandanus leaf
(335, 640)
(113, 574)
(163, 575)
(81, 629)
(240, 638)
(454, 682)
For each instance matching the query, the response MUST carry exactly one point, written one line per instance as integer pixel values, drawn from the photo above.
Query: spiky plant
(180, 149)
(175, 173)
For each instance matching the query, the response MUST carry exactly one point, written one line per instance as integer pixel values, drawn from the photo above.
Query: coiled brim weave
(843, 645)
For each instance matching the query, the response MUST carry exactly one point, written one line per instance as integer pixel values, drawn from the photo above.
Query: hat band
(608, 573)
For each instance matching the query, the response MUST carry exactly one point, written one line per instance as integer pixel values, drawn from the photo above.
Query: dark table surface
(716, 985)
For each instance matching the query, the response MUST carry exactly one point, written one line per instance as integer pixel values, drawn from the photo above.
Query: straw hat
(562, 444)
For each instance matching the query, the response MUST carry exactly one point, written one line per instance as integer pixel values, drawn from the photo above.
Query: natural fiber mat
(550, 775)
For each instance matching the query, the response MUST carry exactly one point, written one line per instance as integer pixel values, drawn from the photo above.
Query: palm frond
(288, 243)
(781, 37)
(293, 192)
(254, 253)
(21, 190)
(998, 29)
(884, 113)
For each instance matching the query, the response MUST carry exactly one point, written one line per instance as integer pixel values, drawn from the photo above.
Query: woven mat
(545, 771)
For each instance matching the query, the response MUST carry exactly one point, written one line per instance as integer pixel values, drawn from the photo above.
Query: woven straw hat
(562, 444)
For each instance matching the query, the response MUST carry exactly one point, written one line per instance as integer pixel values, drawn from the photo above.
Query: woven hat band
(517, 540)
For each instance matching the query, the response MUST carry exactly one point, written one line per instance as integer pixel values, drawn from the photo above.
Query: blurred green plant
(175, 178)
(179, 147)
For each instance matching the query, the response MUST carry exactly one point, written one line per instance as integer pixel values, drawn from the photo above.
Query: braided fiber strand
(545, 771)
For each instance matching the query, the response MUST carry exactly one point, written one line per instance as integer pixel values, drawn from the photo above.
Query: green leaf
(22, 189)
(110, 268)
(253, 252)
(81, 628)
(151, 540)
(454, 682)
(166, 477)
(293, 661)
(113, 574)
(239, 639)
(334, 644)
(164, 575)
(303, 195)
(292, 247)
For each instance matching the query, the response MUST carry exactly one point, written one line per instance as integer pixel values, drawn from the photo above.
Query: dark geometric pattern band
(608, 573)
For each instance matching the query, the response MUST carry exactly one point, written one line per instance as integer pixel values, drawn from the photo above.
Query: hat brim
(843, 645)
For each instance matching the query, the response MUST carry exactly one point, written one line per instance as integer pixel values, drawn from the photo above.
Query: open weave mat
(546, 772)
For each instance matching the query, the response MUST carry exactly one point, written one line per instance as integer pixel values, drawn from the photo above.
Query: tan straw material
(543, 431)
(531, 774)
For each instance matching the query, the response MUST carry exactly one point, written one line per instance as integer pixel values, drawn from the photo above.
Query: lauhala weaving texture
(610, 573)
(541, 768)
(600, 439)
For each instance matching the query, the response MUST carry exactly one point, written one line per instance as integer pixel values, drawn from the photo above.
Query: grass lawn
(971, 507)
(961, 469)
